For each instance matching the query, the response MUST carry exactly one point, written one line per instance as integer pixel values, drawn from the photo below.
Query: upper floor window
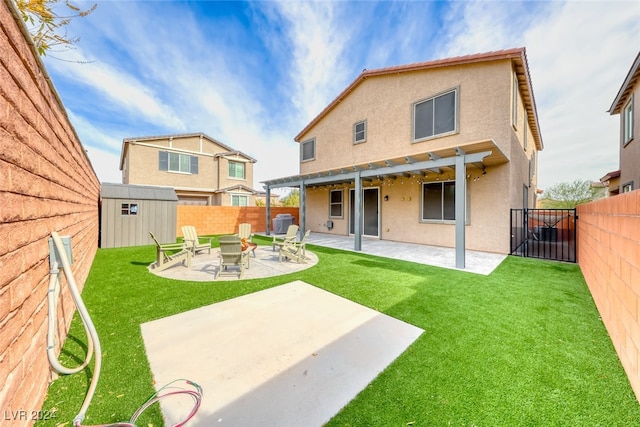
(526, 130)
(308, 150)
(627, 122)
(236, 170)
(360, 132)
(237, 200)
(335, 204)
(514, 101)
(178, 162)
(435, 116)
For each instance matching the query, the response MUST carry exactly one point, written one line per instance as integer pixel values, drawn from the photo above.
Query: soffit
(426, 162)
(627, 87)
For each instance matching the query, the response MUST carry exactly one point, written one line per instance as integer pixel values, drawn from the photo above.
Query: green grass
(523, 346)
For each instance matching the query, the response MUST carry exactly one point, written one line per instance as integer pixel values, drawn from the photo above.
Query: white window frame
(514, 100)
(525, 127)
(182, 158)
(627, 122)
(129, 209)
(456, 108)
(332, 204)
(238, 197)
(441, 220)
(235, 165)
(357, 140)
(303, 144)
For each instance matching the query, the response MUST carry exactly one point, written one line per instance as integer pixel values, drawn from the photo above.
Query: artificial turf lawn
(523, 346)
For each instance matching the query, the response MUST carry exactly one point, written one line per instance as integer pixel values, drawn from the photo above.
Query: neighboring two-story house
(436, 152)
(624, 104)
(202, 170)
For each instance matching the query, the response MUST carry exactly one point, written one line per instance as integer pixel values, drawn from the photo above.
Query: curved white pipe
(54, 282)
(92, 334)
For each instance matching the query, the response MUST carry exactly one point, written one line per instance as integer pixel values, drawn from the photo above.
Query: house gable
(516, 56)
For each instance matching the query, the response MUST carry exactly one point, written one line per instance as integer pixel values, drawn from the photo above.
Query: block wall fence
(609, 257)
(46, 184)
(225, 219)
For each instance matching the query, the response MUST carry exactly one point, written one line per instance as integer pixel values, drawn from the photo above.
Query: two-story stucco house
(436, 153)
(202, 170)
(624, 104)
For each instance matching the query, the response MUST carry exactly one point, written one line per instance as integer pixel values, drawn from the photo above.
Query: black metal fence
(544, 233)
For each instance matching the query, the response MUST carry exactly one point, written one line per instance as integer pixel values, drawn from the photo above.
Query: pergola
(477, 154)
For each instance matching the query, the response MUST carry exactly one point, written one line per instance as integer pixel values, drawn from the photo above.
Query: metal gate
(544, 233)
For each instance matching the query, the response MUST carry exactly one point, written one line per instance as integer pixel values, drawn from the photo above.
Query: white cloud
(121, 90)
(318, 68)
(578, 53)
(579, 57)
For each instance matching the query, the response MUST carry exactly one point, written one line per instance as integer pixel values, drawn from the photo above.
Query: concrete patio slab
(292, 355)
(264, 264)
(475, 261)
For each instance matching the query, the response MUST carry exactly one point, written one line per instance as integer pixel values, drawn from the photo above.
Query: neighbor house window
(236, 170)
(435, 116)
(360, 132)
(514, 101)
(308, 150)
(178, 162)
(627, 187)
(129, 209)
(627, 122)
(439, 201)
(335, 204)
(237, 200)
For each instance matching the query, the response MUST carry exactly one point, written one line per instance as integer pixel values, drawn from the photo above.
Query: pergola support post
(460, 201)
(357, 226)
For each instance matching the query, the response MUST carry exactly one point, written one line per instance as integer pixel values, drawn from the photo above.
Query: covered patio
(428, 165)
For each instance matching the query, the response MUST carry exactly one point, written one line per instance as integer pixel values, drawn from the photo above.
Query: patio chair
(193, 242)
(294, 250)
(245, 234)
(232, 255)
(292, 233)
(170, 254)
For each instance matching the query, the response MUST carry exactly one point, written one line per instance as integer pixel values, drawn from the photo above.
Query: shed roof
(137, 192)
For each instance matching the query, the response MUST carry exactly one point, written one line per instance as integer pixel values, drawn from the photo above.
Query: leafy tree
(292, 199)
(568, 195)
(47, 28)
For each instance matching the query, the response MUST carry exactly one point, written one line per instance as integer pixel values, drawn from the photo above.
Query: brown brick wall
(225, 219)
(609, 257)
(46, 184)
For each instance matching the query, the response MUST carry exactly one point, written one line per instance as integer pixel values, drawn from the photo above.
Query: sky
(254, 74)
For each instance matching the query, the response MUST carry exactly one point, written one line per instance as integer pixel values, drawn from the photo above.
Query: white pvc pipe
(92, 334)
(54, 282)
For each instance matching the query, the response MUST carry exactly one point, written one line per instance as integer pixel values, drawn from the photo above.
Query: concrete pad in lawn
(292, 355)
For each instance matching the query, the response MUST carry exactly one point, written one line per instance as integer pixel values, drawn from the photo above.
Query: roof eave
(625, 89)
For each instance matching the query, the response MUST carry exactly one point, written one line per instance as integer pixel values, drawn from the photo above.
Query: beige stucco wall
(141, 166)
(143, 169)
(386, 103)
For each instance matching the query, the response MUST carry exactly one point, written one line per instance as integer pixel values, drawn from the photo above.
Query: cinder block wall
(609, 257)
(46, 184)
(225, 219)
